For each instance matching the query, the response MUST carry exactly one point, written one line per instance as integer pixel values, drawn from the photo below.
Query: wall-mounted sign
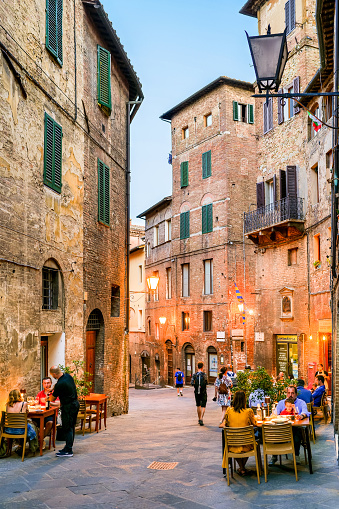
(259, 336)
(287, 337)
(221, 336)
(325, 325)
(237, 333)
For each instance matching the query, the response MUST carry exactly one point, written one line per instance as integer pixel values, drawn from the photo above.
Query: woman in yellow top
(238, 416)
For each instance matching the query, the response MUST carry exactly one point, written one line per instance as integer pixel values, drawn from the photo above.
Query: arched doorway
(145, 367)
(95, 350)
(189, 363)
(212, 364)
(169, 350)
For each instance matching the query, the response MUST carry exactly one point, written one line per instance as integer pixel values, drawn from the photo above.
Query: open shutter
(260, 195)
(283, 192)
(101, 192)
(287, 17)
(296, 90)
(280, 108)
(54, 28)
(270, 114)
(274, 188)
(48, 151)
(104, 77)
(235, 111)
(250, 114)
(291, 178)
(59, 30)
(107, 195)
(57, 157)
(264, 109)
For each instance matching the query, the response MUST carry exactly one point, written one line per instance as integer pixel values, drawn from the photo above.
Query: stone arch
(95, 350)
(206, 199)
(185, 207)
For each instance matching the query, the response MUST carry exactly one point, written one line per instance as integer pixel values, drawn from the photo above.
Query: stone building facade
(63, 195)
(194, 239)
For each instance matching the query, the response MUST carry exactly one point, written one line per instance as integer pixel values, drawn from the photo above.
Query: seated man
(47, 390)
(303, 393)
(318, 393)
(301, 410)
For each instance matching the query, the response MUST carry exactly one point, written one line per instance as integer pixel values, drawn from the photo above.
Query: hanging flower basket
(317, 264)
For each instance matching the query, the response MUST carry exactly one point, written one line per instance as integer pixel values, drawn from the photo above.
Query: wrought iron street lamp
(153, 281)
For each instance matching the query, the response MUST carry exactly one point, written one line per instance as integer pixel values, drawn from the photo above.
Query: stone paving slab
(109, 469)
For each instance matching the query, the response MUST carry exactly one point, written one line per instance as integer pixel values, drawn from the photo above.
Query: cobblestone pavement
(110, 468)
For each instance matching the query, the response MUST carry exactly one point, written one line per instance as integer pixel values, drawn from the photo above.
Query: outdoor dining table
(299, 424)
(40, 415)
(100, 402)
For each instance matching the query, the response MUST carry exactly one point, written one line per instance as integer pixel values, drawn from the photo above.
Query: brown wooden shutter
(260, 195)
(291, 179)
(283, 193)
(296, 90)
(274, 188)
(270, 114)
(264, 109)
(280, 108)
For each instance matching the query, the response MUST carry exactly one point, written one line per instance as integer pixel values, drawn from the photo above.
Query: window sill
(287, 318)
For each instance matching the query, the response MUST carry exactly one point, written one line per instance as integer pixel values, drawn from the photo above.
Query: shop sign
(221, 336)
(325, 325)
(237, 333)
(259, 336)
(289, 338)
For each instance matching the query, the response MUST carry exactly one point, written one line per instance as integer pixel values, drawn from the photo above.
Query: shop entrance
(189, 363)
(169, 349)
(212, 364)
(287, 355)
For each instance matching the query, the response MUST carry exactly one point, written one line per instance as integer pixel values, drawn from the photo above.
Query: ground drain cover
(161, 465)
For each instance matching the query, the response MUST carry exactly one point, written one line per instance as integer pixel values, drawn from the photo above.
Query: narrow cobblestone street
(110, 468)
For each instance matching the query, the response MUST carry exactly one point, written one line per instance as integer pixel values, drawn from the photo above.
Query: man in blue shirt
(179, 381)
(303, 393)
(318, 393)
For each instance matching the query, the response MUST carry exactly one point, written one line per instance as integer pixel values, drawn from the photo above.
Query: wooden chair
(323, 406)
(237, 437)
(278, 440)
(85, 416)
(310, 408)
(15, 421)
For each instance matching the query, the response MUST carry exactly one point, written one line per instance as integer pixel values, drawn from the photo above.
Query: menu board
(282, 358)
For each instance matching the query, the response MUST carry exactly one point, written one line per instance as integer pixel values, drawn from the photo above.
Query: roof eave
(161, 204)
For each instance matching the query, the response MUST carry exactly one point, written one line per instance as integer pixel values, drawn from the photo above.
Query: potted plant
(80, 377)
(317, 263)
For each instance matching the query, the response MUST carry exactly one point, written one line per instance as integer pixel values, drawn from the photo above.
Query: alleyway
(110, 468)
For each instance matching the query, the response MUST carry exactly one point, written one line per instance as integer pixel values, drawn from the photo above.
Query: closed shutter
(283, 192)
(54, 28)
(184, 225)
(206, 165)
(264, 109)
(235, 111)
(107, 194)
(207, 218)
(270, 114)
(52, 154)
(103, 193)
(274, 188)
(184, 174)
(280, 108)
(296, 90)
(260, 195)
(292, 15)
(104, 77)
(287, 17)
(291, 174)
(250, 114)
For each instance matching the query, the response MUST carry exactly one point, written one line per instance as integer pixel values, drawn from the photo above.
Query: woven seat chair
(15, 421)
(323, 406)
(278, 440)
(309, 408)
(238, 437)
(85, 416)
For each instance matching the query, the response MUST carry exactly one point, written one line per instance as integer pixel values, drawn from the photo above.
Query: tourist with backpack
(179, 381)
(199, 382)
(223, 385)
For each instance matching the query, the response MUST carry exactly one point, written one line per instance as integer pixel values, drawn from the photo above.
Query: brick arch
(95, 348)
(185, 207)
(206, 199)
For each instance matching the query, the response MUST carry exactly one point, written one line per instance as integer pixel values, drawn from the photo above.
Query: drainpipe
(75, 67)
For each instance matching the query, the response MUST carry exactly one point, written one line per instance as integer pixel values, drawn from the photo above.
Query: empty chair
(12, 421)
(310, 409)
(85, 416)
(240, 437)
(278, 440)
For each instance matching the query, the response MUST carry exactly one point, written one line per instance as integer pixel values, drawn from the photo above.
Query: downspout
(75, 68)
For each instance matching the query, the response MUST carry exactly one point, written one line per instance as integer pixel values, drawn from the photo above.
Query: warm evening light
(152, 281)
(241, 307)
(162, 320)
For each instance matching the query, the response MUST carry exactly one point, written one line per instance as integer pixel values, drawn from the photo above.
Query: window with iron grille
(93, 322)
(50, 288)
(115, 301)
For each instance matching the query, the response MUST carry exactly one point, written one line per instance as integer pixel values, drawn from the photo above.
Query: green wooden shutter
(107, 195)
(250, 114)
(104, 78)
(204, 218)
(53, 154)
(235, 111)
(184, 174)
(184, 225)
(207, 218)
(54, 28)
(103, 193)
(206, 165)
(187, 224)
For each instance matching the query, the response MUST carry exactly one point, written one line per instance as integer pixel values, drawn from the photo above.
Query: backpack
(223, 388)
(200, 382)
(179, 377)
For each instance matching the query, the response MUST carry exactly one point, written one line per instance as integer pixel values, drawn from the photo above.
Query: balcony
(279, 221)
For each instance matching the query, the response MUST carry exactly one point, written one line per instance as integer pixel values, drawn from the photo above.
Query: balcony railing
(287, 209)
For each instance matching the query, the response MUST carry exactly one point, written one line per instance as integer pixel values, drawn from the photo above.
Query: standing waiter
(66, 391)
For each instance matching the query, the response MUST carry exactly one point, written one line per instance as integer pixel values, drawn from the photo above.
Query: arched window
(51, 283)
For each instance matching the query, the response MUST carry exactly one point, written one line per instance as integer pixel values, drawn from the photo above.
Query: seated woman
(238, 416)
(15, 405)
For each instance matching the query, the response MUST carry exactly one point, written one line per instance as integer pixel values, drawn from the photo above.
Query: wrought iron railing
(274, 213)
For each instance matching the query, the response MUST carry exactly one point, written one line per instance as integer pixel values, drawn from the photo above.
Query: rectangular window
(206, 165)
(329, 170)
(185, 225)
(269, 192)
(184, 174)
(292, 256)
(208, 120)
(168, 230)
(149, 327)
(185, 321)
(268, 115)
(316, 248)
(208, 277)
(156, 236)
(140, 319)
(156, 291)
(115, 301)
(52, 154)
(148, 296)
(168, 283)
(184, 133)
(314, 185)
(243, 112)
(103, 193)
(140, 273)
(104, 78)
(207, 321)
(290, 15)
(50, 288)
(185, 279)
(207, 218)
(156, 331)
(54, 28)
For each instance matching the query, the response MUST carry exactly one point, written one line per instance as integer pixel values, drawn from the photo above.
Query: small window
(206, 164)
(103, 193)
(104, 79)
(207, 218)
(288, 104)
(208, 277)
(148, 296)
(292, 256)
(314, 176)
(148, 249)
(185, 321)
(268, 115)
(156, 291)
(149, 327)
(243, 112)
(316, 251)
(329, 170)
(168, 283)
(184, 133)
(50, 288)
(168, 230)
(185, 279)
(207, 321)
(156, 236)
(54, 28)
(156, 331)
(115, 301)
(140, 319)
(140, 273)
(184, 174)
(208, 120)
(314, 122)
(290, 16)
(242, 346)
(185, 225)
(52, 154)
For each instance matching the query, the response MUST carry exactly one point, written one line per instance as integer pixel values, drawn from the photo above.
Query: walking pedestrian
(179, 381)
(223, 385)
(199, 382)
(66, 391)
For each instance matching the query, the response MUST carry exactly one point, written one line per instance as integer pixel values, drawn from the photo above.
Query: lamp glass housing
(152, 282)
(162, 320)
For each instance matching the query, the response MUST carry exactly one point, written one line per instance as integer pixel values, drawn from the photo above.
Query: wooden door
(90, 355)
(169, 364)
